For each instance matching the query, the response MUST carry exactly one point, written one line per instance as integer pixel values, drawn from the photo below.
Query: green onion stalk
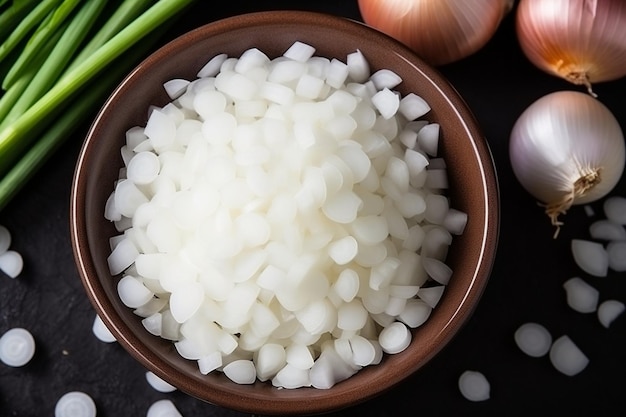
(37, 110)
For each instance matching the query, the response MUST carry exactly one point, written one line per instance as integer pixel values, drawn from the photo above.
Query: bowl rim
(336, 399)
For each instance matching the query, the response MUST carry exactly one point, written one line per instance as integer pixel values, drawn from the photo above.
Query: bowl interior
(470, 169)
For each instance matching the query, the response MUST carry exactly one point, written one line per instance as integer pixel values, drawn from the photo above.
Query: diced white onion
(591, 257)
(581, 296)
(5, 239)
(605, 229)
(474, 386)
(175, 87)
(358, 67)
(11, 263)
(76, 403)
(17, 347)
(431, 295)
(616, 251)
(615, 209)
(385, 78)
(163, 408)
(102, 332)
(567, 357)
(533, 339)
(241, 371)
(286, 200)
(413, 106)
(387, 102)
(158, 383)
(609, 310)
(394, 338)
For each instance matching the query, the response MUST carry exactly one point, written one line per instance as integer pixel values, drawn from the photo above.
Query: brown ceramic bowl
(473, 189)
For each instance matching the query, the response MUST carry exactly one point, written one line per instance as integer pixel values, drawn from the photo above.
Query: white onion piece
(364, 352)
(358, 67)
(437, 270)
(415, 313)
(567, 357)
(153, 323)
(11, 263)
(158, 384)
(617, 255)
(431, 295)
(533, 339)
(17, 347)
(591, 257)
(609, 310)
(241, 371)
(615, 209)
(102, 332)
(75, 403)
(413, 106)
(428, 139)
(292, 377)
(329, 369)
(209, 363)
(455, 221)
(213, 66)
(5, 239)
(299, 51)
(605, 229)
(132, 292)
(474, 386)
(394, 338)
(175, 87)
(163, 408)
(581, 296)
(385, 78)
(386, 102)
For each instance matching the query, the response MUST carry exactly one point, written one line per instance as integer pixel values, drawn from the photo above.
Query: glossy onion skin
(580, 36)
(439, 31)
(560, 134)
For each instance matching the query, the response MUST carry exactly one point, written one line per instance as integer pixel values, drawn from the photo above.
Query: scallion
(60, 59)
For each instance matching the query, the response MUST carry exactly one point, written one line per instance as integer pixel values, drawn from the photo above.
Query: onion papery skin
(582, 41)
(557, 140)
(439, 31)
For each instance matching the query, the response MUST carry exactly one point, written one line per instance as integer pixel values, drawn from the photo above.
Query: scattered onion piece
(567, 357)
(75, 403)
(474, 386)
(11, 263)
(591, 257)
(581, 296)
(605, 229)
(617, 255)
(615, 209)
(609, 310)
(102, 332)
(533, 339)
(17, 347)
(162, 408)
(158, 383)
(5, 239)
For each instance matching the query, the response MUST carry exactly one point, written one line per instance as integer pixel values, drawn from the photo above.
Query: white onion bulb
(440, 31)
(567, 148)
(581, 41)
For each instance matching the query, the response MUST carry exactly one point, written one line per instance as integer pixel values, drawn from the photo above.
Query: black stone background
(498, 83)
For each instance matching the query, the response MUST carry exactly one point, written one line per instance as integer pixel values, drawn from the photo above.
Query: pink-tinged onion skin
(439, 31)
(582, 41)
(567, 148)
